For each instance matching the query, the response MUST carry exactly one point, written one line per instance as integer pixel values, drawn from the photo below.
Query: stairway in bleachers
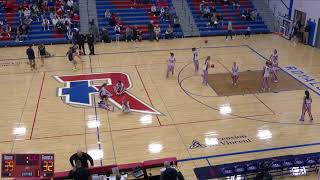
(229, 13)
(139, 15)
(188, 25)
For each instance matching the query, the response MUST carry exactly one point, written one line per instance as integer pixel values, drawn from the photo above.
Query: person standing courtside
(229, 33)
(31, 57)
(80, 40)
(83, 157)
(42, 53)
(90, 40)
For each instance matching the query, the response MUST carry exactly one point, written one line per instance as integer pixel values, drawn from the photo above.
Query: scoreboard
(27, 165)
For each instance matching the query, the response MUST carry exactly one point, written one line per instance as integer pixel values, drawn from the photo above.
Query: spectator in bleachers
(129, 34)
(212, 9)
(206, 13)
(253, 15)
(248, 15)
(27, 13)
(60, 27)
(107, 15)
(157, 32)
(79, 172)
(113, 20)
(20, 10)
(201, 7)
(236, 4)
(70, 36)
(54, 22)
(213, 21)
(76, 19)
(162, 13)
(153, 10)
(19, 33)
(151, 32)
(26, 23)
(176, 21)
(169, 33)
(82, 157)
(70, 3)
(220, 19)
(45, 24)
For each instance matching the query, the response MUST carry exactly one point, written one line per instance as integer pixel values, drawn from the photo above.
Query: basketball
(205, 41)
(212, 65)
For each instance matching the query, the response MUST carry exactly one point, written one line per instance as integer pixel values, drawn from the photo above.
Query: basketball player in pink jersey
(206, 71)
(104, 96)
(234, 73)
(171, 62)
(195, 59)
(119, 88)
(265, 76)
(306, 106)
(125, 106)
(275, 65)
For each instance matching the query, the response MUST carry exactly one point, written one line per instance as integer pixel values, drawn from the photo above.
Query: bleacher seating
(36, 33)
(229, 13)
(132, 15)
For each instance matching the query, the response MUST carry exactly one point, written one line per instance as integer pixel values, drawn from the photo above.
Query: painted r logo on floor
(79, 89)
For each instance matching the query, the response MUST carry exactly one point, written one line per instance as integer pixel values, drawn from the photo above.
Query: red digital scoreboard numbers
(27, 165)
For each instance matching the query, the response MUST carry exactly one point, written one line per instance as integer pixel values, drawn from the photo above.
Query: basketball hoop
(285, 27)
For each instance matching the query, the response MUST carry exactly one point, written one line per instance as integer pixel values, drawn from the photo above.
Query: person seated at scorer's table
(78, 172)
(82, 157)
(170, 173)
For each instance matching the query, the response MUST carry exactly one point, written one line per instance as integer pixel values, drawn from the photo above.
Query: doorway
(318, 35)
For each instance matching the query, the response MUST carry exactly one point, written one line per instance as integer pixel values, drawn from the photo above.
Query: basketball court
(230, 123)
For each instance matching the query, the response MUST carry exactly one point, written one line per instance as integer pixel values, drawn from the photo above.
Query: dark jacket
(30, 53)
(81, 173)
(171, 174)
(90, 38)
(80, 38)
(84, 159)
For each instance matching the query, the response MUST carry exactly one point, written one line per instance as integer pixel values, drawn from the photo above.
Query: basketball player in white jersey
(125, 106)
(275, 65)
(206, 71)
(195, 59)
(119, 88)
(265, 76)
(171, 62)
(104, 96)
(234, 73)
(306, 106)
